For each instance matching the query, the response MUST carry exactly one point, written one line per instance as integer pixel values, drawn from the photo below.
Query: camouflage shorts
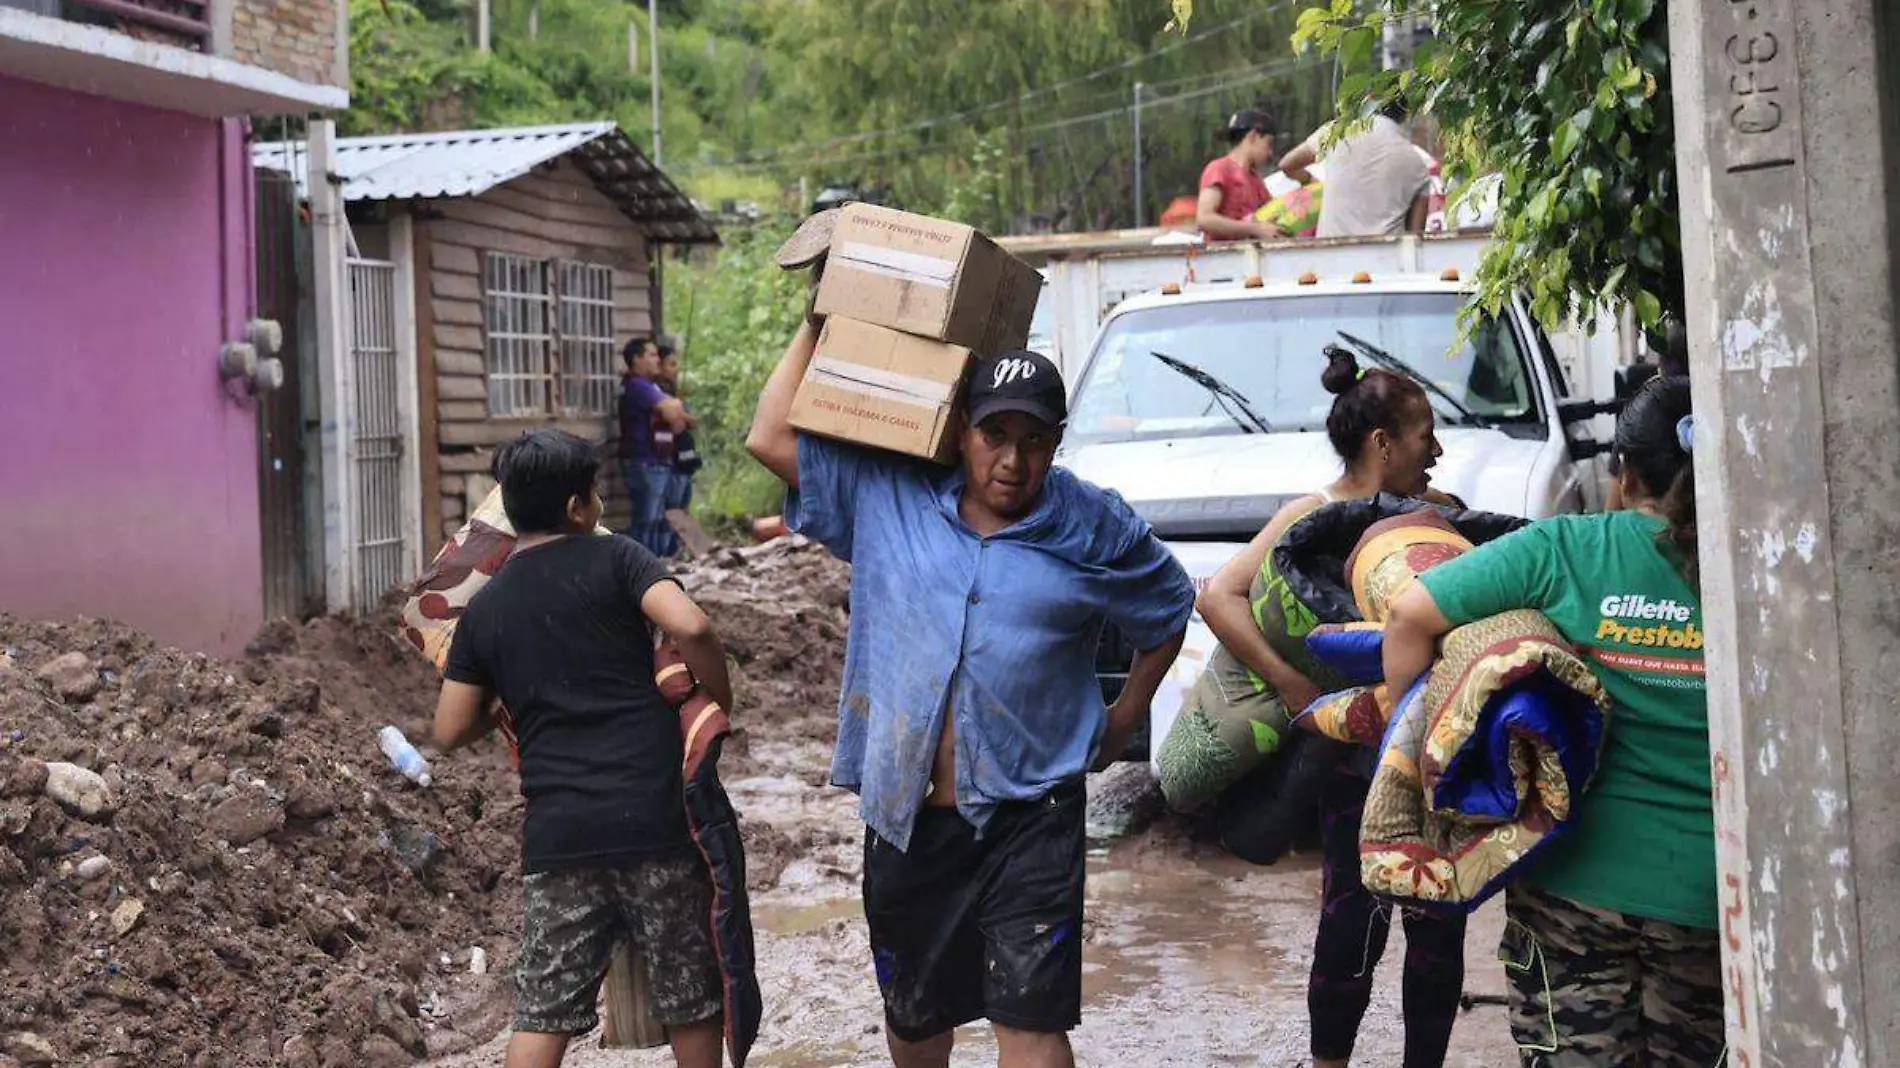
(1593, 988)
(572, 920)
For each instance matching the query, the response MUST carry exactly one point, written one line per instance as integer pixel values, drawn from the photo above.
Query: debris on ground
(190, 868)
(212, 863)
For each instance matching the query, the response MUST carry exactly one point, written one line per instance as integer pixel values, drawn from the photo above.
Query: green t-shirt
(1643, 841)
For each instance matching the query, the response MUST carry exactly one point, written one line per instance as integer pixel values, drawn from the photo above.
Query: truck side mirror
(1578, 411)
(1586, 449)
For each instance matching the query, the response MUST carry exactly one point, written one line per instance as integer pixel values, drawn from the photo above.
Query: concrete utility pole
(1788, 127)
(653, 71)
(481, 25)
(329, 241)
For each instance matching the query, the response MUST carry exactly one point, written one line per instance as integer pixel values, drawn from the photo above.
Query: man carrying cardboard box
(970, 710)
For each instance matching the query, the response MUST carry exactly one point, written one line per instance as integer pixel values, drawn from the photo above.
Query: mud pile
(781, 610)
(211, 863)
(220, 867)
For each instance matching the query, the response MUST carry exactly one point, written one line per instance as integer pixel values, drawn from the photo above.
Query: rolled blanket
(714, 825)
(1482, 764)
(1313, 555)
(1229, 723)
(1233, 720)
(1393, 547)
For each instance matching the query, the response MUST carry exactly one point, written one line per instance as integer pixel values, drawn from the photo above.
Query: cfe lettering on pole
(1789, 927)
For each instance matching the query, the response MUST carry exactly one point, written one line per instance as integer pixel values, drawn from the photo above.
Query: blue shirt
(999, 632)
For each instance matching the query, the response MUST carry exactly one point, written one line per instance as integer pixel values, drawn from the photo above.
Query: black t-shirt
(558, 634)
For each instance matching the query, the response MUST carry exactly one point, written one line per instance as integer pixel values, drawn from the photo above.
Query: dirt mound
(261, 887)
(781, 609)
(230, 873)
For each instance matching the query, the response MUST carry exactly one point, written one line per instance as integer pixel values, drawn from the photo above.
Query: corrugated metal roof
(464, 163)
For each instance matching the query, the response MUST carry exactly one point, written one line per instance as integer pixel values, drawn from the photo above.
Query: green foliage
(1567, 101)
(734, 311)
(1029, 101)
(977, 194)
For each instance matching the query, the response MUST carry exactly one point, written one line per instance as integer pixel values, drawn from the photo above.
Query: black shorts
(963, 929)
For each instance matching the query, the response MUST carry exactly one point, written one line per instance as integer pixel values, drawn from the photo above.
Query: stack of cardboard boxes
(907, 301)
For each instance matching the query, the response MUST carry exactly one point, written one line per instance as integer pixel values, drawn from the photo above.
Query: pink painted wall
(128, 477)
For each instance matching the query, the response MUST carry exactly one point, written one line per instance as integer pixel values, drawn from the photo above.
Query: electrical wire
(959, 117)
(1242, 76)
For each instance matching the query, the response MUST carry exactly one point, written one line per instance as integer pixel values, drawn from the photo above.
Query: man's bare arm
(1207, 216)
(1125, 716)
(772, 441)
(461, 715)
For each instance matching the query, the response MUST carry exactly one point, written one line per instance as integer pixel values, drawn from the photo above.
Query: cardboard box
(924, 276)
(874, 386)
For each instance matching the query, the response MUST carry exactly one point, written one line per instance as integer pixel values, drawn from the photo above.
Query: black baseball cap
(1248, 119)
(1017, 381)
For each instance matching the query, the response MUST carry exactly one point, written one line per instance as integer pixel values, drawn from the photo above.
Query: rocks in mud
(126, 916)
(394, 1021)
(71, 675)
(244, 817)
(93, 867)
(30, 1049)
(21, 777)
(298, 1052)
(79, 791)
(1123, 800)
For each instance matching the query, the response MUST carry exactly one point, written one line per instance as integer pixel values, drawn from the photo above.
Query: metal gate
(376, 446)
(289, 581)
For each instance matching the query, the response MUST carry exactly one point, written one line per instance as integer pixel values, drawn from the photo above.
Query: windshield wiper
(1223, 393)
(1393, 363)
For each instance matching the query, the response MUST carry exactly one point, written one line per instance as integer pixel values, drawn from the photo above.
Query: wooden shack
(521, 261)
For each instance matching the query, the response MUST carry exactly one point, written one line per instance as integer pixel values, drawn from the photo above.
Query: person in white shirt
(1377, 181)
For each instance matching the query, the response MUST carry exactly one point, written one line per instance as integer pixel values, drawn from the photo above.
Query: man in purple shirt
(648, 420)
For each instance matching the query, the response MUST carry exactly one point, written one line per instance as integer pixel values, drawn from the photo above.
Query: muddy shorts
(1591, 987)
(572, 920)
(963, 929)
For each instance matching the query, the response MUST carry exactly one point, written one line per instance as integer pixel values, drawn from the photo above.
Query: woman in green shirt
(1611, 948)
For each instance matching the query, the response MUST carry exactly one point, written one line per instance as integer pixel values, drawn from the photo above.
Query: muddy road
(1192, 958)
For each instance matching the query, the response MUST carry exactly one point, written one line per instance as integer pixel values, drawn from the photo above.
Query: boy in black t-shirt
(563, 635)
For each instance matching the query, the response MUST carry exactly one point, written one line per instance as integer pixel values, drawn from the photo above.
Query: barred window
(515, 302)
(550, 337)
(589, 382)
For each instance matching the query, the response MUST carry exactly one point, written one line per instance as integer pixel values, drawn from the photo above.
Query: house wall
(305, 39)
(556, 212)
(130, 489)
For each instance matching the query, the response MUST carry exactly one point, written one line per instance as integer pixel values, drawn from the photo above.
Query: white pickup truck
(1198, 395)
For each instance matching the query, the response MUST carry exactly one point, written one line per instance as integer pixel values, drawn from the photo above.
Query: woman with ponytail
(1611, 946)
(1381, 425)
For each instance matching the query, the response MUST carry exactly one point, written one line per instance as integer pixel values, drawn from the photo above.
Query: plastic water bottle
(403, 755)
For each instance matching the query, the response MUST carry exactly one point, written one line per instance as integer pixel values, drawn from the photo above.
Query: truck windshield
(1270, 352)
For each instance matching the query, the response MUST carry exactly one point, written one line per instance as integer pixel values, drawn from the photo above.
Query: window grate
(550, 337)
(516, 307)
(589, 381)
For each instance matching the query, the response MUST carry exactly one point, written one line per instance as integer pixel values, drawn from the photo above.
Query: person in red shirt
(1231, 188)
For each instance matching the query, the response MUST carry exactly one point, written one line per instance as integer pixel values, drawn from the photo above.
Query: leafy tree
(734, 311)
(917, 96)
(1567, 101)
